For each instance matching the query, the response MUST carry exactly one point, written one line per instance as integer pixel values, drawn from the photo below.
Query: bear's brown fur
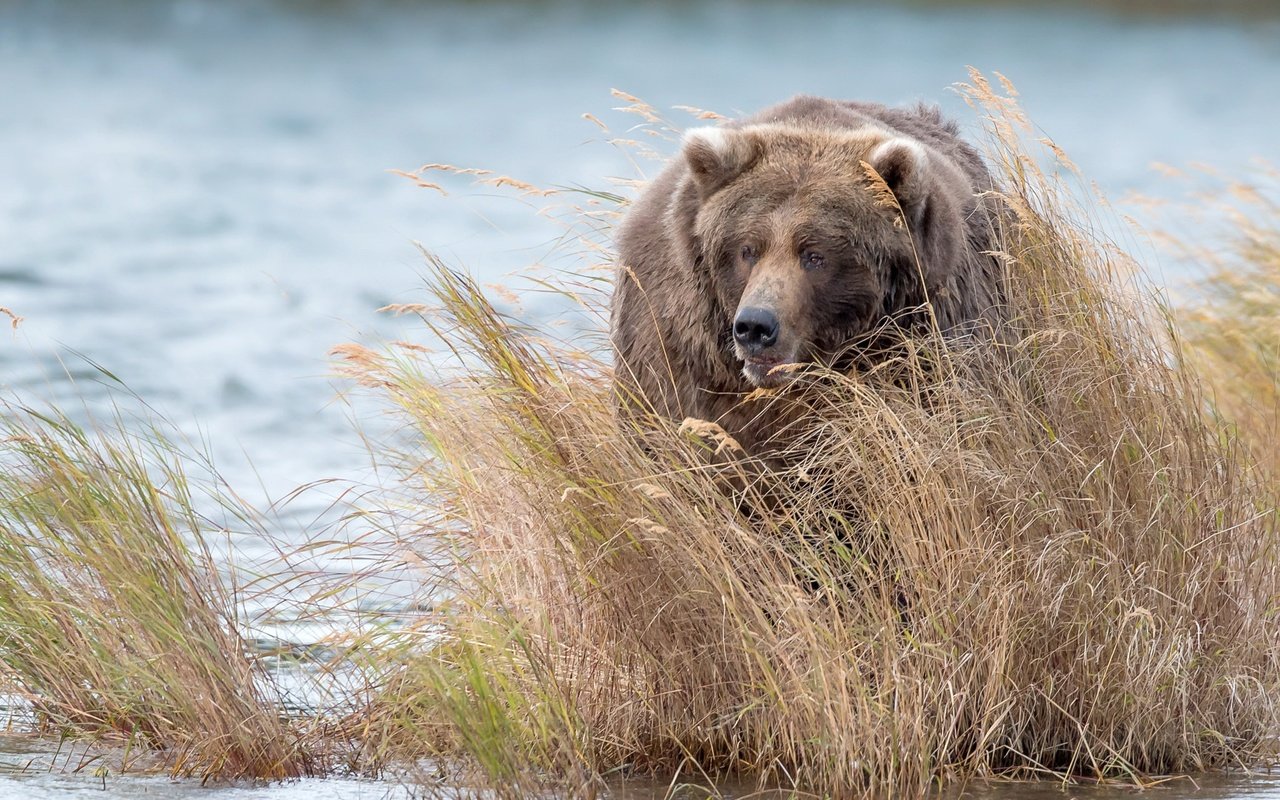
(769, 241)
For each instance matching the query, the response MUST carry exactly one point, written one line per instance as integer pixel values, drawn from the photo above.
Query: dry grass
(1039, 559)
(1233, 323)
(113, 619)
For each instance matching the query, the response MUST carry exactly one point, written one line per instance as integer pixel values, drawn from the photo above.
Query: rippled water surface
(195, 195)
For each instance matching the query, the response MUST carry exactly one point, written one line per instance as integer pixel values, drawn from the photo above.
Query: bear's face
(806, 250)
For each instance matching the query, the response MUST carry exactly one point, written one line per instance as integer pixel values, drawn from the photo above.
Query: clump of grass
(1233, 323)
(1038, 558)
(114, 620)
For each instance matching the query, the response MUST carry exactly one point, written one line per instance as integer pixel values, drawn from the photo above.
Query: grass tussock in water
(1035, 559)
(113, 619)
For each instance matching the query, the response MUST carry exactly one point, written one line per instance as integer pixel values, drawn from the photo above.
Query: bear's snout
(762, 344)
(755, 330)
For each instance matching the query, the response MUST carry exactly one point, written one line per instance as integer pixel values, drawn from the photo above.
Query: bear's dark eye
(750, 254)
(811, 259)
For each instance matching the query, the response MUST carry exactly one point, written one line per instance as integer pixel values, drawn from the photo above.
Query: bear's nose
(755, 329)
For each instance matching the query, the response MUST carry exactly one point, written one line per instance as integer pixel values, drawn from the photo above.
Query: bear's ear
(718, 155)
(903, 164)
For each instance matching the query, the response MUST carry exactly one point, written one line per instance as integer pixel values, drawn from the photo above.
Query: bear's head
(805, 249)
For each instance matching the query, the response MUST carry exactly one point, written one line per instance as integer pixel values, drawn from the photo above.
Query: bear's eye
(750, 254)
(811, 259)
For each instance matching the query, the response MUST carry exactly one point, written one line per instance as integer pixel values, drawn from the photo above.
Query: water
(38, 770)
(195, 195)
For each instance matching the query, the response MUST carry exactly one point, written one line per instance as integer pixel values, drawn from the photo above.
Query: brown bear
(773, 240)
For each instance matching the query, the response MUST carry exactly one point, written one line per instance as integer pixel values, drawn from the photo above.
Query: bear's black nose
(755, 329)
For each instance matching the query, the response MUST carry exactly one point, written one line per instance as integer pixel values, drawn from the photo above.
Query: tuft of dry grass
(1232, 324)
(114, 620)
(1038, 558)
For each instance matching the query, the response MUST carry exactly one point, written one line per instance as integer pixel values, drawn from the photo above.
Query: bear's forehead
(815, 143)
(805, 182)
(812, 189)
(820, 166)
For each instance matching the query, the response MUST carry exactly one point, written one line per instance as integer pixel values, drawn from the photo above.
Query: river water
(195, 195)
